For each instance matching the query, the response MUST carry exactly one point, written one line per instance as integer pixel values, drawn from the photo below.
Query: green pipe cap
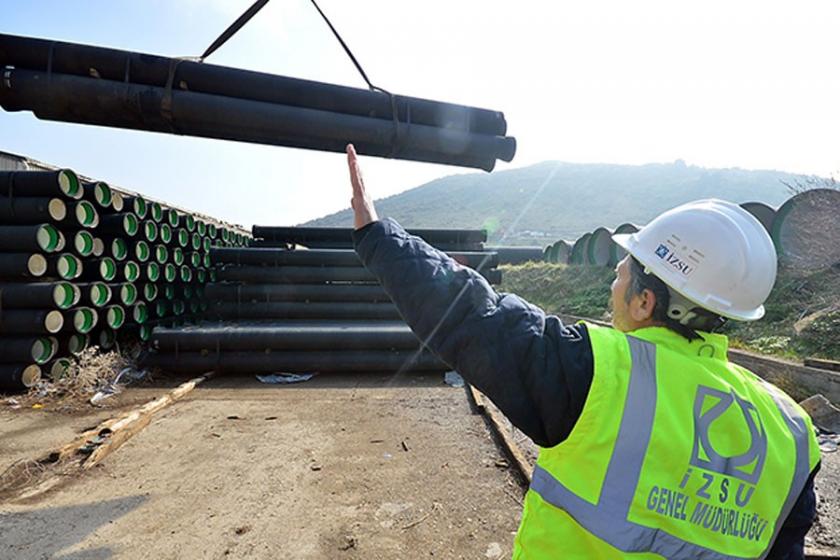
(69, 184)
(48, 238)
(107, 269)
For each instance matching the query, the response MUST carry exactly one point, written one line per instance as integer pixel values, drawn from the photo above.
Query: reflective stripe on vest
(608, 520)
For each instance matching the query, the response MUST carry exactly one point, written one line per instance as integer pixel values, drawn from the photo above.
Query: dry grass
(90, 371)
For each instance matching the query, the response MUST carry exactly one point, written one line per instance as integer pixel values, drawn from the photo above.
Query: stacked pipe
(92, 85)
(79, 261)
(595, 248)
(40, 307)
(306, 309)
(517, 255)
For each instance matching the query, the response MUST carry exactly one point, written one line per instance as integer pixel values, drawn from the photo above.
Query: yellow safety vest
(678, 453)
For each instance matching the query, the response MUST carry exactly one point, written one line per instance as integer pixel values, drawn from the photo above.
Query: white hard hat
(713, 253)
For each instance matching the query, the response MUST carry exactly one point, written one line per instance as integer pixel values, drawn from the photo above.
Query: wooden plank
(832, 365)
(799, 381)
(127, 426)
(90, 447)
(498, 423)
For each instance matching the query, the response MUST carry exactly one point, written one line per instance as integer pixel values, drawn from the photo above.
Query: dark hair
(641, 281)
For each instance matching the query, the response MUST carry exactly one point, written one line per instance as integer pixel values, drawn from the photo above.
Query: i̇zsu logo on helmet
(670, 257)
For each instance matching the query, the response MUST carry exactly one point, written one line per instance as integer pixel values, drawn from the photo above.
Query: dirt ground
(338, 467)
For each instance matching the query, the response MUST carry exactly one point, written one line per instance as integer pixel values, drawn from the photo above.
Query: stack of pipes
(80, 262)
(305, 303)
(107, 87)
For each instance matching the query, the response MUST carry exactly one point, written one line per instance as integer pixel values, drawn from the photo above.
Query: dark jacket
(536, 369)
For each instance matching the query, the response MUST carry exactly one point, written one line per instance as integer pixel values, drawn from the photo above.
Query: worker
(652, 443)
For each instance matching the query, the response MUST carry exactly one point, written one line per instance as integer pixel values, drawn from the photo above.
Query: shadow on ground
(24, 532)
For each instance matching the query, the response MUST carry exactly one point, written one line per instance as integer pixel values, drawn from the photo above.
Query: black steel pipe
(98, 192)
(80, 319)
(304, 235)
(141, 68)
(517, 255)
(136, 205)
(81, 241)
(287, 335)
(30, 321)
(84, 214)
(300, 310)
(127, 293)
(117, 201)
(65, 266)
(311, 275)
(322, 257)
(296, 274)
(58, 368)
(68, 98)
(98, 247)
(323, 361)
(18, 377)
(73, 343)
(31, 210)
(22, 265)
(39, 295)
(124, 224)
(101, 269)
(95, 294)
(348, 244)
(62, 182)
(36, 238)
(27, 349)
(295, 292)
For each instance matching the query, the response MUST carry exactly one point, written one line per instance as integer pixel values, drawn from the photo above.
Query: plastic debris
(285, 378)
(453, 379)
(828, 441)
(112, 388)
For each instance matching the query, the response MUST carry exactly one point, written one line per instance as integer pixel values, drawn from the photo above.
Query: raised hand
(363, 209)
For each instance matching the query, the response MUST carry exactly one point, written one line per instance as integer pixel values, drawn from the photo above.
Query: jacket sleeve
(533, 367)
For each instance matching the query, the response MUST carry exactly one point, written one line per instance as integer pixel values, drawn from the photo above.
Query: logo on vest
(748, 465)
(716, 488)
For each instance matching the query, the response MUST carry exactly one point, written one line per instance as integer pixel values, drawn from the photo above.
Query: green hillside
(541, 203)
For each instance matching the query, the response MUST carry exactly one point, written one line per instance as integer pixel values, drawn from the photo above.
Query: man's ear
(642, 306)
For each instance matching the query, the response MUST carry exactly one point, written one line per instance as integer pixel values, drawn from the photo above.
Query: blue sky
(720, 84)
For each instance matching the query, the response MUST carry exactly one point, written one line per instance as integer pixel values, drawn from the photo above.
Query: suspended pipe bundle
(146, 92)
(113, 64)
(68, 98)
